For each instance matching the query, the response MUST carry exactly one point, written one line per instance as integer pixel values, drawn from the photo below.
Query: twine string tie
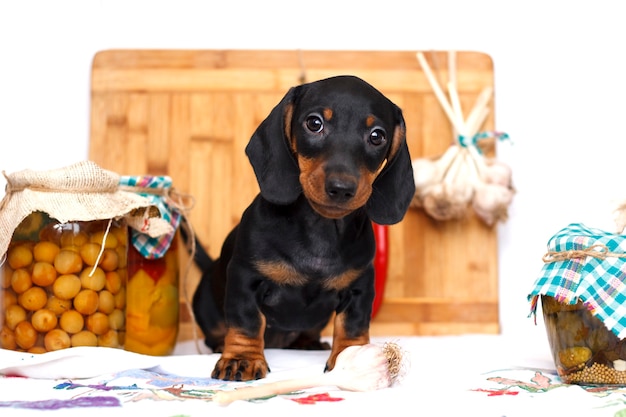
(598, 251)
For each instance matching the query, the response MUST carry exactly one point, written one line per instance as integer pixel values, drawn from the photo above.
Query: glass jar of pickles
(63, 258)
(582, 293)
(64, 285)
(583, 349)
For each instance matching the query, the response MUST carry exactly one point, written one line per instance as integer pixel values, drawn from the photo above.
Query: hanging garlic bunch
(462, 176)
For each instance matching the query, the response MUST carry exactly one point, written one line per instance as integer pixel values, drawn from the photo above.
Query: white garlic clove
(497, 172)
(445, 202)
(491, 202)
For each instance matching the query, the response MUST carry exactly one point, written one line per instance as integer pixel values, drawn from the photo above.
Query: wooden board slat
(190, 113)
(193, 80)
(280, 59)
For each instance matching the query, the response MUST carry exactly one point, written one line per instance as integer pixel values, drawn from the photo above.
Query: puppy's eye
(377, 136)
(314, 123)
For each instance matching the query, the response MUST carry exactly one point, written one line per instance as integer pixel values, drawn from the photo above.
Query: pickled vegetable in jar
(582, 292)
(153, 271)
(64, 284)
(153, 302)
(584, 350)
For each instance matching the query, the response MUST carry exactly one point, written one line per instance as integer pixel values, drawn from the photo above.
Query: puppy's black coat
(330, 158)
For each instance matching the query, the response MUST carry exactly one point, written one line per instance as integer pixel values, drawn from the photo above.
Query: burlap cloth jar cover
(589, 265)
(80, 192)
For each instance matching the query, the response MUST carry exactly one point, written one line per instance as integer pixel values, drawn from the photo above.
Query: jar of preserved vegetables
(153, 273)
(582, 293)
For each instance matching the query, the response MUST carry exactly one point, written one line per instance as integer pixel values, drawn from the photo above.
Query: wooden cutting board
(190, 113)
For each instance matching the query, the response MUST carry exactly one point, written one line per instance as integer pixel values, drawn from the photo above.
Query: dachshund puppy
(330, 159)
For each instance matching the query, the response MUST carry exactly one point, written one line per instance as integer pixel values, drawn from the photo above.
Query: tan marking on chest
(284, 274)
(281, 273)
(341, 281)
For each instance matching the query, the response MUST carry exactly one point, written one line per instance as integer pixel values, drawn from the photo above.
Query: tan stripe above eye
(328, 113)
(369, 122)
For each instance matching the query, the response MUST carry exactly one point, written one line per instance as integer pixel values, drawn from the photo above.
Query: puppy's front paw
(240, 369)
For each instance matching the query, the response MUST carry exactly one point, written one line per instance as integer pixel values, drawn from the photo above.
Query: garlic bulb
(491, 202)
(497, 172)
(362, 368)
(357, 368)
(445, 202)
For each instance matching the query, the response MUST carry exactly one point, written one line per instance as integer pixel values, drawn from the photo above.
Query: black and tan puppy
(330, 159)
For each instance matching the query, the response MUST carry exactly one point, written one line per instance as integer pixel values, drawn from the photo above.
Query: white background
(560, 86)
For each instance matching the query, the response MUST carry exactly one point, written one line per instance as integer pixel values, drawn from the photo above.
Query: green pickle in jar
(64, 285)
(584, 350)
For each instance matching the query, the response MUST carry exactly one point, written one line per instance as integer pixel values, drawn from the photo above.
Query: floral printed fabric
(486, 375)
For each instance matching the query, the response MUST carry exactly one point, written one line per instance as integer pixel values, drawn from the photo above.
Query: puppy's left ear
(394, 187)
(272, 159)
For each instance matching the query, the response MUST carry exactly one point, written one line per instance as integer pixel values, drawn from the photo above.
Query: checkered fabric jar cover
(154, 247)
(589, 265)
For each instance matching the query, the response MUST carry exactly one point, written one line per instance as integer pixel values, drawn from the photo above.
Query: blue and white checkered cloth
(589, 265)
(154, 247)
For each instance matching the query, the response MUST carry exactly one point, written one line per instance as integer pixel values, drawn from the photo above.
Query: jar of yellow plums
(152, 313)
(64, 285)
(63, 271)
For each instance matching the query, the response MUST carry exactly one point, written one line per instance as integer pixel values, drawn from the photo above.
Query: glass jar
(584, 351)
(64, 285)
(153, 302)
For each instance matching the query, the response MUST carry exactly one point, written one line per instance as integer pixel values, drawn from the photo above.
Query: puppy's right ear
(271, 156)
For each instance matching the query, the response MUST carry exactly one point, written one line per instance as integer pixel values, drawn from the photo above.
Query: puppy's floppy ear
(272, 159)
(394, 187)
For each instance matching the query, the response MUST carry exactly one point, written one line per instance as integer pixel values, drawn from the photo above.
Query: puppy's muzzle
(335, 189)
(341, 194)
(340, 189)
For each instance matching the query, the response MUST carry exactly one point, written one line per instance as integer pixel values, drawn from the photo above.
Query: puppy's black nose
(340, 189)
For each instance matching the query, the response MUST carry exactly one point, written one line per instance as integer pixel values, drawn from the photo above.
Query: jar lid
(589, 265)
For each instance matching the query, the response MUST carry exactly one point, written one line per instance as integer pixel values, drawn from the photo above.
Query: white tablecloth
(477, 375)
